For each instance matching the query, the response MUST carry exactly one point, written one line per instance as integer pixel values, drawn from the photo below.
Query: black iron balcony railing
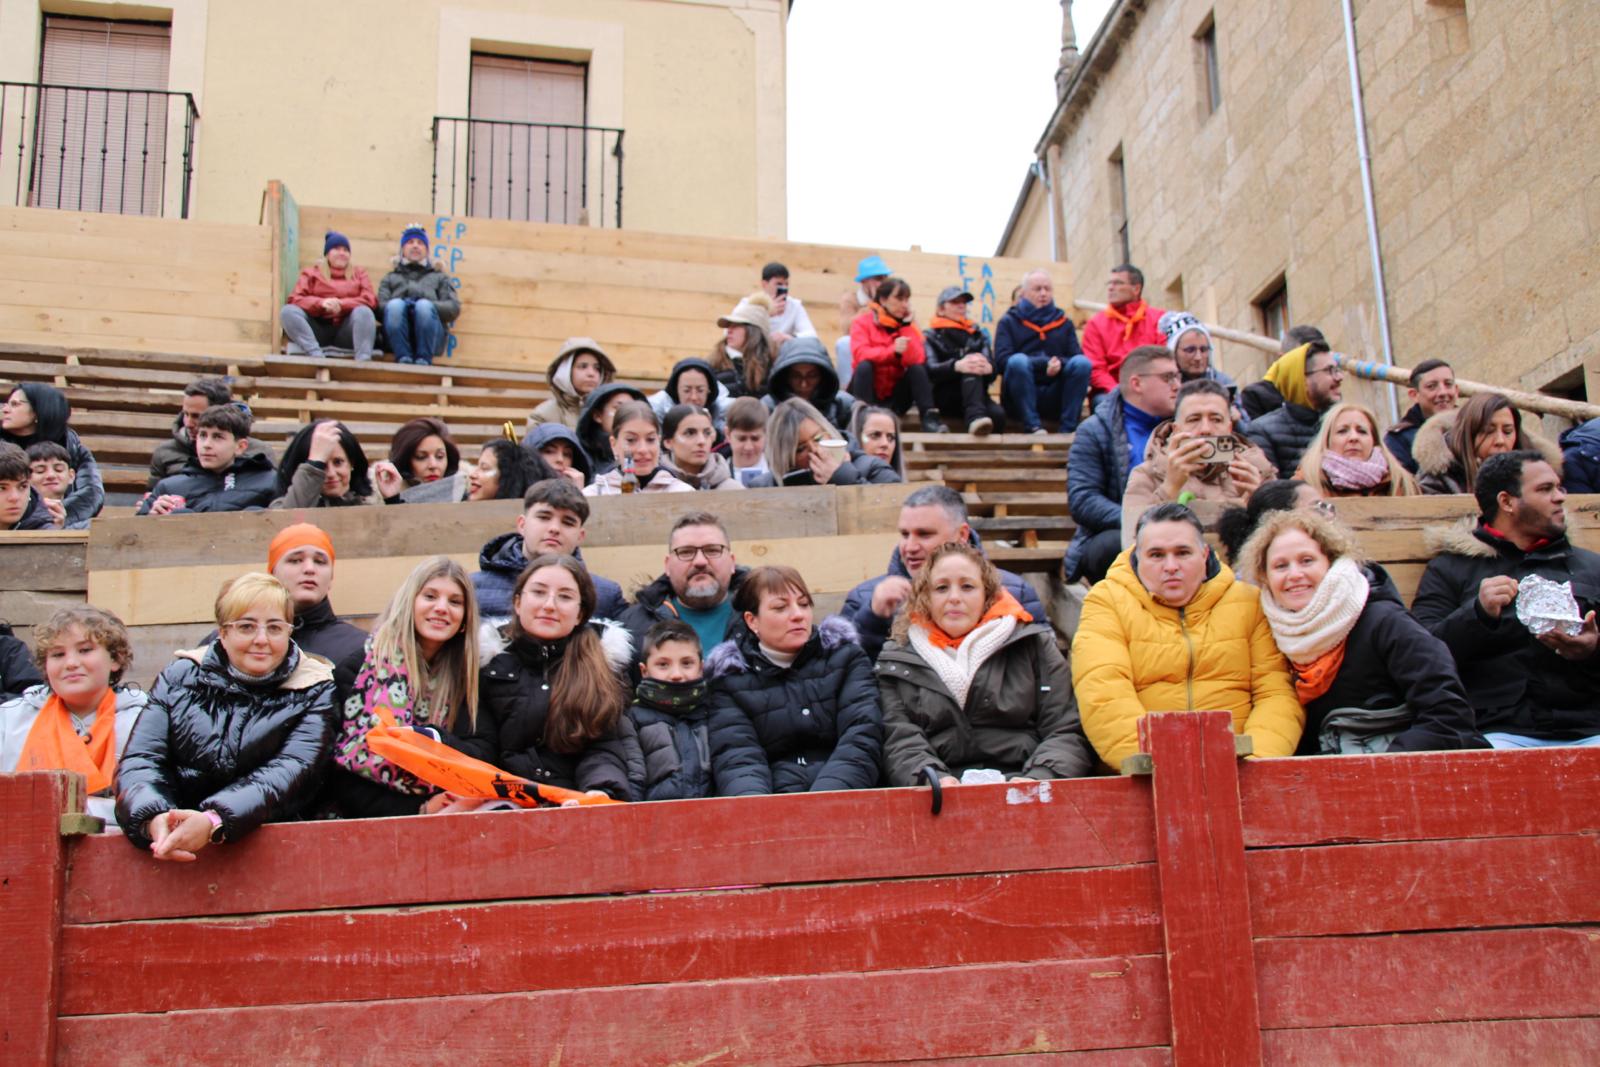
(82, 148)
(529, 171)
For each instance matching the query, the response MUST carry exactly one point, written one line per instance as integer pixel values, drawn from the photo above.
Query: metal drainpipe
(1359, 114)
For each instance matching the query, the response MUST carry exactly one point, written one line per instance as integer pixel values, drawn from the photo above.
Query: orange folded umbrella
(442, 766)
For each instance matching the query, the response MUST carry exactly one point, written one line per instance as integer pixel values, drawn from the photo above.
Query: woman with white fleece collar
(580, 367)
(1371, 678)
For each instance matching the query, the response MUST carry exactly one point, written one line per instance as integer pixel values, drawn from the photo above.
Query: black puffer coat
(513, 704)
(251, 482)
(1284, 434)
(1516, 684)
(17, 669)
(1391, 660)
(211, 738)
(811, 726)
(1020, 716)
(859, 469)
(672, 729)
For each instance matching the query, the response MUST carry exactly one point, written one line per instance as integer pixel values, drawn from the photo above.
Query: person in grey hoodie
(803, 369)
(580, 367)
(417, 301)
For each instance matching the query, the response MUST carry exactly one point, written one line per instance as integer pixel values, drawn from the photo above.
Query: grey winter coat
(1020, 716)
(420, 281)
(1284, 434)
(1097, 474)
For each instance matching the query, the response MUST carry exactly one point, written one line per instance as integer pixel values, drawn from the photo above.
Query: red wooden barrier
(1440, 908)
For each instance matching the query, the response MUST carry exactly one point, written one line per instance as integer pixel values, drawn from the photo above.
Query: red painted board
(1425, 885)
(1420, 796)
(777, 1022)
(1119, 1057)
(1204, 900)
(1531, 973)
(1503, 1043)
(822, 837)
(382, 954)
(32, 868)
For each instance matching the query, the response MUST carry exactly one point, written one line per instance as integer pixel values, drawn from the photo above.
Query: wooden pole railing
(1576, 410)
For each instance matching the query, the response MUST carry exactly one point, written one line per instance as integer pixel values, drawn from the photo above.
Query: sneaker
(1039, 432)
(931, 423)
(980, 427)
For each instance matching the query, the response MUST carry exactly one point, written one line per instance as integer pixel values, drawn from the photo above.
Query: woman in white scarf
(1372, 679)
(970, 681)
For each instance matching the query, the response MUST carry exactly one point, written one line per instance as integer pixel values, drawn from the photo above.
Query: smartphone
(1219, 449)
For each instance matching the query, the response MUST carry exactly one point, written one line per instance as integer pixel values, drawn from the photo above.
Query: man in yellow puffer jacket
(1171, 629)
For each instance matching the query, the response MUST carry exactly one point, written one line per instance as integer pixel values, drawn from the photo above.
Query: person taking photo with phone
(1195, 455)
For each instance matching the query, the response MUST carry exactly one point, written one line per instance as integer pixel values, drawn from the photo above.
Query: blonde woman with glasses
(236, 732)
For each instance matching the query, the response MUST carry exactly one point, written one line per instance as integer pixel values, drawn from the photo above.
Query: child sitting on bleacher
(636, 442)
(561, 451)
(747, 439)
(51, 474)
(224, 476)
(33, 412)
(671, 718)
(21, 506)
(580, 367)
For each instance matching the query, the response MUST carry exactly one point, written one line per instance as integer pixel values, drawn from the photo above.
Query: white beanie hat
(1177, 323)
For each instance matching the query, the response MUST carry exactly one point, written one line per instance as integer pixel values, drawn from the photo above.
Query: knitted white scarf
(1324, 622)
(957, 667)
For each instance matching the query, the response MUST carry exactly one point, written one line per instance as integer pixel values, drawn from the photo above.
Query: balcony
(83, 148)
(527, 171)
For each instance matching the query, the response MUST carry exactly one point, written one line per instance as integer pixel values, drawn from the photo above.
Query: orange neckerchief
(939, 322)
(1313, 679)
(1004, 604)
(884, 319)
(1047, 327)
(1128, 321)
(53, 745)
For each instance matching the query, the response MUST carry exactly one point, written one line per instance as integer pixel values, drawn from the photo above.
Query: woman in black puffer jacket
(236, 733)
(800, 451)
(794, 707)
(550, 704)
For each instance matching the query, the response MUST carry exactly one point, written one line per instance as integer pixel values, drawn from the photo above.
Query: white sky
(967, 87)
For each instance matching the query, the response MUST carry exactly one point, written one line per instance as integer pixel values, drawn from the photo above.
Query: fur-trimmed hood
(614, 640)
(1456, 538)
(1431, 448)
(730, 656)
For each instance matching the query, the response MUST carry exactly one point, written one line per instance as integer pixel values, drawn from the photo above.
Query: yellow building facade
(1213, 143)
(340, 101)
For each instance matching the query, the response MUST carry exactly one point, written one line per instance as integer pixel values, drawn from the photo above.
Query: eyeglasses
(1332, 369)
(249, 629)
(1195, 350)
(1172, 377)
(687, 553)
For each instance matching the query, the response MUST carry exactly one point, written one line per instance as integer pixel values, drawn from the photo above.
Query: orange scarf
(939, 322)
(1004, 604)
(53, 745)
(884, 319)
(1047, 327)
(1313, 679)
(1128, 321)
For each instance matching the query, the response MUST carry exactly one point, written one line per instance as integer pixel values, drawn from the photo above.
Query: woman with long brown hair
(550, 704)
(1452, 445)
(742, 360)
(970, 680)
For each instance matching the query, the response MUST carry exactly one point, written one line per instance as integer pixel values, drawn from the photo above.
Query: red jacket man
(1129, 322)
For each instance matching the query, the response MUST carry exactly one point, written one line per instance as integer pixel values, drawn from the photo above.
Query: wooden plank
(83, 295)
(606, 942)
(803, 1020)
(1121, 1057)
(32, 871)
(1531, 973)
(25, 607)
(1420, 796)
(1427, 885)
(215, 349)
(855, 836)
(1492, 1043)
(51, 566)
(123, 325)
(148, 275)
(1205, 903)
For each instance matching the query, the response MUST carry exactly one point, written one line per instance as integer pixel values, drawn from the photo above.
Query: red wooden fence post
(32, 867)
(1205, 905)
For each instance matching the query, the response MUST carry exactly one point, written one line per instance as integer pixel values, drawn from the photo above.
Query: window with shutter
(97, 150)
(527, 146)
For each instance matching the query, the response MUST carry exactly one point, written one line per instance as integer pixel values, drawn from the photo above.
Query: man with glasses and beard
(1311, 382)
(701, 577)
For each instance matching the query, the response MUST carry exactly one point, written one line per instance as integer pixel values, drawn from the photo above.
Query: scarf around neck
(1129, 319)
(884, 319)
(957, 660)
(1326, 620)
(1356, 475)
(939, 322)
(54, 743)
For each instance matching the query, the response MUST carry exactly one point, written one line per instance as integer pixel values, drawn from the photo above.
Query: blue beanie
(411, 231)
(334, 239)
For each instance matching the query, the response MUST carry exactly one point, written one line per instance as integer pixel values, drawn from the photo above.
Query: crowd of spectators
(716, 679)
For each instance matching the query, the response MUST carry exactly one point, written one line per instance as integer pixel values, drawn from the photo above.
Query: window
(1272, 308)
(102, 151)
(1119, 209)
(527, 143)
(1206, 55)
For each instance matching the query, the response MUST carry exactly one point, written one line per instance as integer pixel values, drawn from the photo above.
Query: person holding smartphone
(789, 318)
(1195, 455)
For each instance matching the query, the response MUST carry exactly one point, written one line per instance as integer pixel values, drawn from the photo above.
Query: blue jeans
(1031, 393)
(1499, 740)
(414, 329)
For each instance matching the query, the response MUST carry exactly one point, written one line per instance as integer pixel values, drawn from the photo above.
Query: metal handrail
(483, 181)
